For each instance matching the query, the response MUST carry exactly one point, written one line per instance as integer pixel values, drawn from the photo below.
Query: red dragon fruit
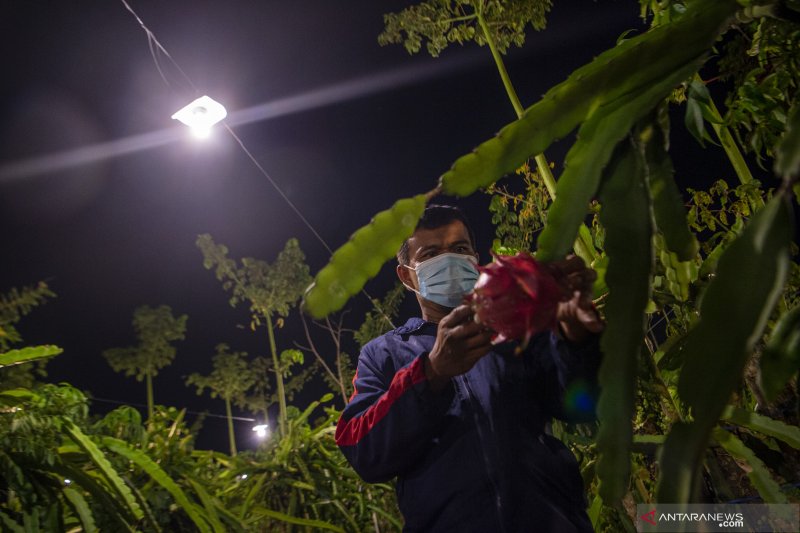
(516, 296)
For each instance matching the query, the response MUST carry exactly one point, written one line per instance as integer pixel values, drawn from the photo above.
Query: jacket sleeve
(564, 376)
(392, 416)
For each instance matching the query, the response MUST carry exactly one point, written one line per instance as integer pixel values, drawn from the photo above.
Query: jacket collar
(414, 325)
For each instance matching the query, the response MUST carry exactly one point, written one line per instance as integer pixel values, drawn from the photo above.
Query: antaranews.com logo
(663, 518)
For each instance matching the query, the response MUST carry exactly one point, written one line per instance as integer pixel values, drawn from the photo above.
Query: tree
(156, 328)
(271, 290)
(230, 380)
(13, 306)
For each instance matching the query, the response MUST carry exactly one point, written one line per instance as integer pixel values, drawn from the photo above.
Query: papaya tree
(156, 329)
(230, 380)
(270, 290)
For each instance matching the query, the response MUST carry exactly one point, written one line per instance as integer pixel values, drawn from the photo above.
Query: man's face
(428, 243)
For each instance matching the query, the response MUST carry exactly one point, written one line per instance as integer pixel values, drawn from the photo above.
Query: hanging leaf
(360, 258)
(632, 67)
(213, 507)
(758, 474)
(283, 517)
(668, 209)
(81, 508)
(763, 424)
(781, 357)
(733, 313)
(28, 354)
(586, 159)
(111, 476)
(698, 111)
(626, 217)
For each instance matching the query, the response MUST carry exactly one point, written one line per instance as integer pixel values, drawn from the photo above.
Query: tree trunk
(278, 378)
(231, 437)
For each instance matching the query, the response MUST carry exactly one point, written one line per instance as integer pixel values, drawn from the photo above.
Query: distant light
(200, 115)
(261, 430)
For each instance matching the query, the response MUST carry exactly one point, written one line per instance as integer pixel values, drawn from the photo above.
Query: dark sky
(117, 233)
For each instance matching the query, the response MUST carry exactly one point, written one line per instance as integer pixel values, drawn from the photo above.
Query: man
(460, 422)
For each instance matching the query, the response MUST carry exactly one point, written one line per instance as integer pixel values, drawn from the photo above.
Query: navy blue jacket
(475, 456)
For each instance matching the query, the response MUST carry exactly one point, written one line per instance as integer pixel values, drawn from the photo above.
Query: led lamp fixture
(201, 114)
(261, 430)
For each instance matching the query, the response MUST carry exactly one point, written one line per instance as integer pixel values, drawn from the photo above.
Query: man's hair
(436, 216)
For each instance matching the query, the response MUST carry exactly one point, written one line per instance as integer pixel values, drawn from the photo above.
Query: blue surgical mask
(446, 278)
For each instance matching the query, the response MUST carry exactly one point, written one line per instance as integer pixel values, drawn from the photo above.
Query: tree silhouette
(230, 380)
(270, 289)
(156, 328)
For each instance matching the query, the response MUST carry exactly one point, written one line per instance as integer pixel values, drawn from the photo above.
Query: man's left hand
(576, 313)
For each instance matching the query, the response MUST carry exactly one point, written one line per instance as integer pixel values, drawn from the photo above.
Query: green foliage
(732, 318)
(763, 424)
(587, 157)
(16, 304)
(668, 209)
(518, 217)
(360, 258)
(699, 109)
(271, 290)
(13, 306)
(626, 217)
(762, 60)
(628, 69)
(781, 357)
(379, 320)
(28, 354)
(53, 470)
(302, 479)
(158, 475)
(437, 23)
(156, 328)
(769, 490)
(231, 378)
(268, 288)
(787, 156)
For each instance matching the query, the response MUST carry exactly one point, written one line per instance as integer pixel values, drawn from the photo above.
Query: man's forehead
(447, 234)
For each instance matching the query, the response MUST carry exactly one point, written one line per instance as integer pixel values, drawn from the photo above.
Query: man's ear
(404, 274)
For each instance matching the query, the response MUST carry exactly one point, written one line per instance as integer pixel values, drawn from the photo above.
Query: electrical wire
(199, 413)
(153, 41)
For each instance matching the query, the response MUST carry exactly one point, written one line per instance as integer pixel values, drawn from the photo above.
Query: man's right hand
(460, 342)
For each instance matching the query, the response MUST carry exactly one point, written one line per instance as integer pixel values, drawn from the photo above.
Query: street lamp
(261, 430)
(200, 115)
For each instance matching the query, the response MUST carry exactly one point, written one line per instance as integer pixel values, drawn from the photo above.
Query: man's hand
(576, 313)
(460, 342)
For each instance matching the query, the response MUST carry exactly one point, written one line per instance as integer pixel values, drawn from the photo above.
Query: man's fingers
(457, 316)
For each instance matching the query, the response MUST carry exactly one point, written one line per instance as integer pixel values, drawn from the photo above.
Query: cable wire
(199, 413)
(152, 40)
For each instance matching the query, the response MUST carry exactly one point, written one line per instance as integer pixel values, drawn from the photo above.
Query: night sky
(120, 232)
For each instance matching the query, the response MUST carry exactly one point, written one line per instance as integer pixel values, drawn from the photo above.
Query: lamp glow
(261, 430)
(201, 115)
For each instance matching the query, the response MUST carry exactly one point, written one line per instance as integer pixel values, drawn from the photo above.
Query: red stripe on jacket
(350, 432)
